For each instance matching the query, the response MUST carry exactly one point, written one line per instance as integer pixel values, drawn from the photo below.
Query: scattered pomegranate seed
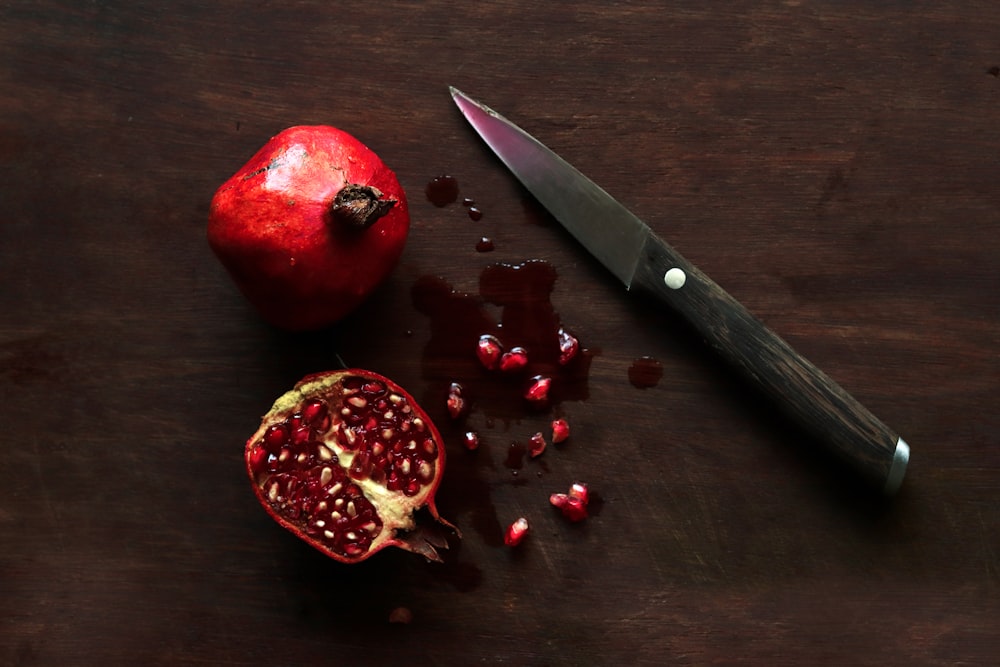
(579, 491)
(573, 505)
(489, 349)
(537, 392)
(471, 440)
(456, 404)
(516, 532)
(572, 508)
(558, 500)
(514, 360)
(568, 346)
(536, 445)
(400, 615)
(560, 430)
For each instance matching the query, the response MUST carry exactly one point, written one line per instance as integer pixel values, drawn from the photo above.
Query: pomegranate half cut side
(344, 461)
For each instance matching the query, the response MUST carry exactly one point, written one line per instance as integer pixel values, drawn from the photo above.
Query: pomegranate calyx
(428, 538)
(359, 206)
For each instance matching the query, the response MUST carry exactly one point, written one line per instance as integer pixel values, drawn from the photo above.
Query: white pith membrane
(395, 432)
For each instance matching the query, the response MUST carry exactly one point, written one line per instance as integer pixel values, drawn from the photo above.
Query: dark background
(834, 165)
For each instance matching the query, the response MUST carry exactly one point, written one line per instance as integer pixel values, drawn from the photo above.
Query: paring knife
(646, 263)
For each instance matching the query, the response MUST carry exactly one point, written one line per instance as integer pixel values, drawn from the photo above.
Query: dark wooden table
(834, 165)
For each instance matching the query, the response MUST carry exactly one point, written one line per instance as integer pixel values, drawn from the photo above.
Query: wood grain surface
(833, 165)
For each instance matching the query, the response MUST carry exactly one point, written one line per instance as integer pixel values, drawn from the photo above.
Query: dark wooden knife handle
(798, 388)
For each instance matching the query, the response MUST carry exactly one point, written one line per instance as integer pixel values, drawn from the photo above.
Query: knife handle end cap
(897, 471)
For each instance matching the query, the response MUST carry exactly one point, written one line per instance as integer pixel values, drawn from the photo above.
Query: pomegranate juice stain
(442, 190)
(645, 372)
(522, 292)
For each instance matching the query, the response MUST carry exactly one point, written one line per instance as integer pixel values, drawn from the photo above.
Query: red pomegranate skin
(273, 228)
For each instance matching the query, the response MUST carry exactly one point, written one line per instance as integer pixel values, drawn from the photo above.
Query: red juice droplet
(515, 456)
(484, 245)
(442, 190)
(475, 213)
(645, 372)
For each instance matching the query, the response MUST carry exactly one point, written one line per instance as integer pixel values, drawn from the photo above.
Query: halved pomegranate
(344, 461)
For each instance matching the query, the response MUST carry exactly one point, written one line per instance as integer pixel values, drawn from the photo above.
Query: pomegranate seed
(275, 437)
(573, 505)
(471, 440)
(373, 388)
(258, 455)
(537, 392)
(489, 350)
(575, 509)
(536, 445)
(514, 360)
(456, 404)
(313, 412)
(516, 532)
(572, 508)
(568, 346)
(302, 435)
(560, 430)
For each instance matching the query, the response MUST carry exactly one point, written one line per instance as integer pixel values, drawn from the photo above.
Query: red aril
(471, 440)
(309, 226)
(536, 445)
(538, 389)
(560, 430)
(455, 401)
(569, 346)
(516, 532)
(513, 360)
(489, 350)
(573, 505)
(579, 491)
(344, 461)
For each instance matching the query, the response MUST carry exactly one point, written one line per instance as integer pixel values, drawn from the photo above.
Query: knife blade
(647, 264)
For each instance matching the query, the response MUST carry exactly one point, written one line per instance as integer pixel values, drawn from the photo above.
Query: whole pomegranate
(310, 226)
(344, 460)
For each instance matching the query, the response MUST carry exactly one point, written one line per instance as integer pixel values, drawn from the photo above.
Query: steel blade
(612, 233)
